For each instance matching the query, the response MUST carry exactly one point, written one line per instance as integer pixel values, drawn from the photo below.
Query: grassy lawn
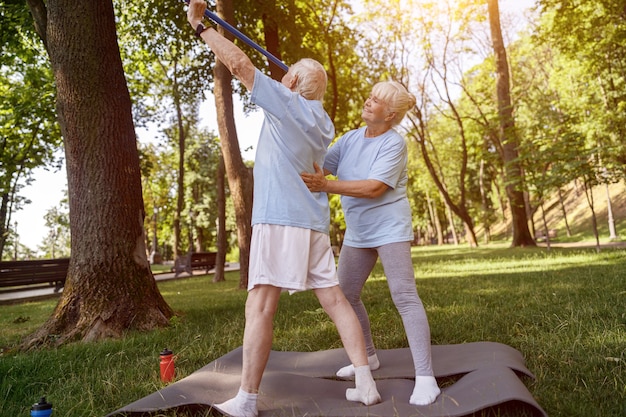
(564, 309)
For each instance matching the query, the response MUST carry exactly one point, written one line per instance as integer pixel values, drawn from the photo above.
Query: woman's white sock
(426, 390)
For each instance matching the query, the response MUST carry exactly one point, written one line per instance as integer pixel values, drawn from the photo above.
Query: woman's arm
(358, 188)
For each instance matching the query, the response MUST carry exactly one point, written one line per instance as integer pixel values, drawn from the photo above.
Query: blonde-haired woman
(371, 168)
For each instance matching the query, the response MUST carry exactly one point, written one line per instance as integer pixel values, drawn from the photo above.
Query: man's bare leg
(261, 306)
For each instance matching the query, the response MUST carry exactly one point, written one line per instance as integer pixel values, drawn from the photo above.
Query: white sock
(348, 371)
(242, 405)
(365, 390)
(425, 391)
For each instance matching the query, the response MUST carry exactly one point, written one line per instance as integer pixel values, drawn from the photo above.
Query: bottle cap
(42, 405)
(166, 352)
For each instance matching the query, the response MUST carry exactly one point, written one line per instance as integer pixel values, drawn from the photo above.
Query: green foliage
(57, 242)
(29, 133)
(561, 309)
(598, 47)
(165, 64)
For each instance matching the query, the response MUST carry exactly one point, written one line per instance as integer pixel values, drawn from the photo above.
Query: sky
(47, 190)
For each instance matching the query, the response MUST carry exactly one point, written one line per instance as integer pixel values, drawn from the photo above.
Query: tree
(109, 287)
(239, 175)
(593, 62)
(57, 242)
(168, 72)
(597, 45)
(29, 132)
(507, 142)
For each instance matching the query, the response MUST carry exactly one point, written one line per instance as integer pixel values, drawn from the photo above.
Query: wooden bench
(195, 260)
(552, 234)
(16, 275)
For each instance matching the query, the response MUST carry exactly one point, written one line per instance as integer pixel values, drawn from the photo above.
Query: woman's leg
(398, 266)
(355, 265)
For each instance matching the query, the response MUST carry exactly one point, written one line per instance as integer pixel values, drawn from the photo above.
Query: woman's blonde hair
(312, 78)
(396, 97)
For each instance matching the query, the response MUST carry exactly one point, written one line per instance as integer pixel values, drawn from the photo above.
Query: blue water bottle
(41, 409)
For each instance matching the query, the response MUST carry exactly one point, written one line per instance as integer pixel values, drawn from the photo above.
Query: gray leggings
(355, 266)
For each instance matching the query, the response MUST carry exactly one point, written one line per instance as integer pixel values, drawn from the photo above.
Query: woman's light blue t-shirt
(387, 219)
(295, 133)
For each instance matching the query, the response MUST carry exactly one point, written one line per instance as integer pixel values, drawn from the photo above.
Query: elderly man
(290, 248)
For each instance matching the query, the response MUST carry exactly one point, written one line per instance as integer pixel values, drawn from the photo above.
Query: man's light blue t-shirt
(387, 219)
(295, 133)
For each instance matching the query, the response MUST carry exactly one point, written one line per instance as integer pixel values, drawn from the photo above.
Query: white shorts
(292, 258)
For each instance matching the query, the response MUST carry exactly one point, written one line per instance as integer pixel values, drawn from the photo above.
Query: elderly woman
(371, 168)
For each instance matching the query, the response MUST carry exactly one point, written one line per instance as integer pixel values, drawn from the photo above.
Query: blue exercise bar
(210, 15)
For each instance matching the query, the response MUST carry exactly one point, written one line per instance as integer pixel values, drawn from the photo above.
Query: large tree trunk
(509, 142)
(239, 176)
(109, 287)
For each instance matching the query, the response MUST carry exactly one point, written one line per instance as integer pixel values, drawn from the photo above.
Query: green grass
(564, 309)
(161, 268)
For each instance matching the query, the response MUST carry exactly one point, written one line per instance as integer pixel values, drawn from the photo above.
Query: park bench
(194, 260)
(17, 275)
(552, 234)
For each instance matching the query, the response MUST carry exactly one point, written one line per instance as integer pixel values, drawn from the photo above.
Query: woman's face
(375, 111)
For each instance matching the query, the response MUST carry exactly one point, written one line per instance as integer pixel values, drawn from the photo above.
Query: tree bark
(180, 178)
(221, 223)
(508, 139)
(564, 212)
(239, 176)
(588, 189)
(272, 39)
(109, 287)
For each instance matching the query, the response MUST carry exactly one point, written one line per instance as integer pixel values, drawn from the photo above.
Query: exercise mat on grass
(474, 376)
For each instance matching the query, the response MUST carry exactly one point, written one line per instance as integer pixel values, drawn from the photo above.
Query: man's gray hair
(312, 79)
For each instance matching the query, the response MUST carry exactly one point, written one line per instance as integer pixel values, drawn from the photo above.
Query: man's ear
(293, 82)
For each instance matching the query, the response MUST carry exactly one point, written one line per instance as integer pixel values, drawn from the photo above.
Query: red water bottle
(167, 365)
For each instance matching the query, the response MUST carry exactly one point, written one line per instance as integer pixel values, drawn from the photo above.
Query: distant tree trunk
(544, 221)
(239, 176)
(180, 178)
(564, 211)
(4, 229)
(501, 200)
(508, 141)
(434, 218)
(484, 203)
(109, 287)
(455, 238)
(221, 223)
(609, 211)
(588, 189)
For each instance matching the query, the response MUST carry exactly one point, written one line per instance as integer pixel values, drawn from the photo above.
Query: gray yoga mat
(480, 375)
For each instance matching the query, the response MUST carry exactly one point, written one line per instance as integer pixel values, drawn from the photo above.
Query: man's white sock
(365, 390)
(348, 371)
(242, 405)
